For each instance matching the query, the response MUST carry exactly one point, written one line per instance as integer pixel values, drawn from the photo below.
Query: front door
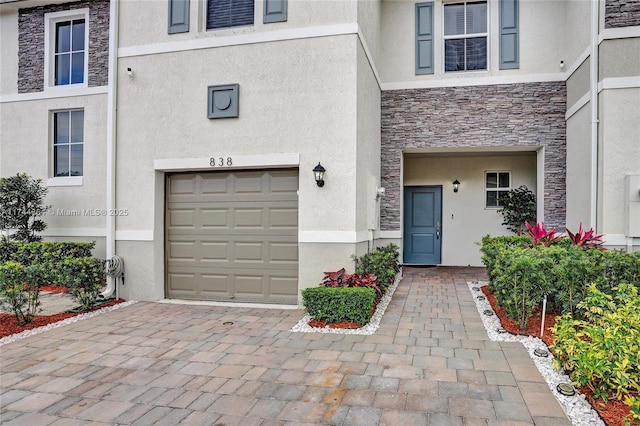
(422, 225)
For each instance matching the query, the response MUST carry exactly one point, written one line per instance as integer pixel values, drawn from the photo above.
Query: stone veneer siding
(621, 13)
(527, 114)
(31, 46)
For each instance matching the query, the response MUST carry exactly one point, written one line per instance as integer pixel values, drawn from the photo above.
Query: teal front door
(422, 240)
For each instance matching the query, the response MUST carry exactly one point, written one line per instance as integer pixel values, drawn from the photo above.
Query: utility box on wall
(632, 205)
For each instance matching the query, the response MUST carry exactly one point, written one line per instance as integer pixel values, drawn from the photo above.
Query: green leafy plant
(20, 290)
(43, 251)
(335, 304)
(381, 262)
(518, 207)
(602, 351)
(21, 204)
(85, 276)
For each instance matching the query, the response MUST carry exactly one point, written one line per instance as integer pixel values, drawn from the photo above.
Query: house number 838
(220, 161)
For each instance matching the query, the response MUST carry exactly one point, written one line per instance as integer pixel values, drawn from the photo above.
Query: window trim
(205, 16)
(497, 188)
(487, 35)
(50, 21)
(65, 180)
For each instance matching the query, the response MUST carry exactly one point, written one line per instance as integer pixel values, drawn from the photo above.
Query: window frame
(51, 19)
(497, 189)
(486, 35)
(206, 18)
(66, 180)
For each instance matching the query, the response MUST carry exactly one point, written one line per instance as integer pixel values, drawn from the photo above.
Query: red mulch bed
(9, 325)
(341, 324)
(613, 412)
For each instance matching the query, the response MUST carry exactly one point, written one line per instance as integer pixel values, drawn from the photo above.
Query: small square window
(229, 13)
(68, 143)
(497, 184)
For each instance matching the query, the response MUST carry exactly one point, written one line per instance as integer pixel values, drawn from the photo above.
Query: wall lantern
(456, 185)
(318, 172)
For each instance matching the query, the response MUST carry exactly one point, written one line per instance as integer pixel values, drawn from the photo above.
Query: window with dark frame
(68, 143)
(465, 36)
(496, 185)
(229, 13)
(70, 52)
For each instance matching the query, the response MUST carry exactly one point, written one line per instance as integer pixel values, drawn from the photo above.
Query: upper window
(68, 143)
(229, 13)
(496, 185)
(465, 36)
(66, 59)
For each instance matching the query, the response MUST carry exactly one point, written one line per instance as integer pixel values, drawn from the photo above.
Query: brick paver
(430, 363)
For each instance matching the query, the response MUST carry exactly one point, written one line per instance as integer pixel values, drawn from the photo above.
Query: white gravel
(577, 407)
(34, 331)
(303, 325)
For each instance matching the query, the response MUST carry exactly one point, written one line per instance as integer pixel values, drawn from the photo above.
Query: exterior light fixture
(456, 185)
(318, 172)
(566, 389)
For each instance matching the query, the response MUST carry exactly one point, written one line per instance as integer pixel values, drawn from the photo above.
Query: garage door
(233, 236)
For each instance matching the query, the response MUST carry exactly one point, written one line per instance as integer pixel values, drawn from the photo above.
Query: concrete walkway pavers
(430, 363)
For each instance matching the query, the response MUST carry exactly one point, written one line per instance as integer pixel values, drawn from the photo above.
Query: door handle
(437, 230)
(437, 235)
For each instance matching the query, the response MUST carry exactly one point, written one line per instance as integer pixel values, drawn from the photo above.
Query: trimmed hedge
(43, 251)
(334, 304)
(381, 262)
(521, 275)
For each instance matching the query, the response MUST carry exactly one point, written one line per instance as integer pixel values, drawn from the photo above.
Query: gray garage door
(233, 236)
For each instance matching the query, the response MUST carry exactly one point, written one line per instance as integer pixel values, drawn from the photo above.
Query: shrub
(602, 351)
(341, 279)
(491, 246)
(519, 206)
(20, 289)
(43, 251)
(540, 235)
(381, 262)
(586, 239)
(85, 276)
(21, 204)
(334, 304)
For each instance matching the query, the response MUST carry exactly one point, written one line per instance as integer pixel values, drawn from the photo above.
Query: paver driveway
(430, 363)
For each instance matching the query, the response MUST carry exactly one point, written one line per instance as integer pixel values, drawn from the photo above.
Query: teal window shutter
(424, 38)
(509, 40)
(178, 16)
(274, 11)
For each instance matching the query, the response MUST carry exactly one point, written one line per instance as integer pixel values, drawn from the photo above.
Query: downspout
(594, 59)
(111, 143)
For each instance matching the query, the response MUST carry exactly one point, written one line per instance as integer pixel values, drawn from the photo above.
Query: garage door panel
(214, 218)
(182, 250)
(183, 218)
(234, 236)
(283, 217)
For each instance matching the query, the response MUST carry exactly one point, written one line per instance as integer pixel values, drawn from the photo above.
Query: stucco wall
(25, 132)
(518, 115)
(578, 84)
(465, 219)
(296, 96)
(620, 58)
(9, 52)
(541, 41)
(153, 29)
(31, 50)
(619, 153)
(579, 169)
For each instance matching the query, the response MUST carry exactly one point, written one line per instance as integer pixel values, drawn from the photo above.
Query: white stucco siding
(619, 151)
(579, 169)
(135, 31)
(465, 220)
(26, 135)
(8, 52)
(576, 31)
(367, 160)
(541, 36)
(295, 97)
(369, 15)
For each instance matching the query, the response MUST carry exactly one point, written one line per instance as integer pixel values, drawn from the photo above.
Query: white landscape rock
(577, 407)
